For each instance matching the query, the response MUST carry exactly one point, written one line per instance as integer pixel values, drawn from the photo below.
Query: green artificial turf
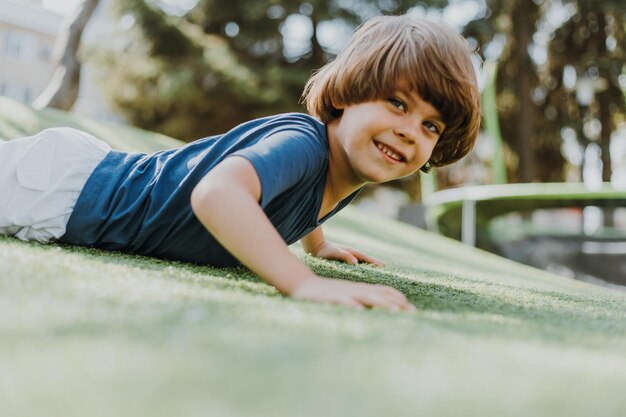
(91, 333)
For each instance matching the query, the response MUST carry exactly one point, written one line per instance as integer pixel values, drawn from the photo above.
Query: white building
(27, 34)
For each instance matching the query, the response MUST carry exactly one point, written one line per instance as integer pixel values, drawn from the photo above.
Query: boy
(401, 97)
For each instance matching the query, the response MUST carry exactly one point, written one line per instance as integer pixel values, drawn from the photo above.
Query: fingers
(339, 254)
(371, 260)
(349, 301)
(392, 292)
(345, 254)
(375, 295)
(349, 258)
(358, 295)
(386, 303)
(374, 300)
(360, 256)
(385, 297)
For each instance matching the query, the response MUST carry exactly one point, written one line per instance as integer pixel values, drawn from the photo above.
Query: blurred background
(545, 184)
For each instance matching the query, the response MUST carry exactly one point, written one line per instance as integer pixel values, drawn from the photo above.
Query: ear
(337, 106)
(426, 168)
(336, 113)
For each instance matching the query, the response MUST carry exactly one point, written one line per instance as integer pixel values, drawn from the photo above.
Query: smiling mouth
(389, 152)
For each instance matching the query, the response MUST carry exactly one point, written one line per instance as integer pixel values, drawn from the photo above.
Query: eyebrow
(412, 99)
(437, 117)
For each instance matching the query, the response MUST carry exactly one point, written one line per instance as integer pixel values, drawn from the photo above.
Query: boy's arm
(226, 203)
(315, 244)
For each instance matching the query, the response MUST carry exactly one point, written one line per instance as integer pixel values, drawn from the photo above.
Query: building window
(21, 45)
(12, 44)
(27, 95)
(45, 53)
(18, 92)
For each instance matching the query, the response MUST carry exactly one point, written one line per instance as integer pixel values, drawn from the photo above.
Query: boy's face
(387, 139)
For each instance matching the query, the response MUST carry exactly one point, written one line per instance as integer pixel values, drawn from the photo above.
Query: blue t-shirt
(139, 203)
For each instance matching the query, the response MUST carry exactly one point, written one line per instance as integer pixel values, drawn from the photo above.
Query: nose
(408, 132)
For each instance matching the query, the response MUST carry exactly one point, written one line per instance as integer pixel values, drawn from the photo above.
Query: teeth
(389, 152)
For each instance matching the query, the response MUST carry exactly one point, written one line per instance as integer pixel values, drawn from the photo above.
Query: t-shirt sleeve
(284, 159)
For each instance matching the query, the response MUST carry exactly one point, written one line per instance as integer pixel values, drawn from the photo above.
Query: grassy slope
(88, 333)
(17, 120)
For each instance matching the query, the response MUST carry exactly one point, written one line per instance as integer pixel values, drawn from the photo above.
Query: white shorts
(41, 177)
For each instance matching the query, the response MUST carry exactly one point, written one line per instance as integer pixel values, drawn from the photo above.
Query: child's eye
(432, 127)
(397, 103)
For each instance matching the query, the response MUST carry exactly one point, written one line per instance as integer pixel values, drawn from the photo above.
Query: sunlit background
(552, 74)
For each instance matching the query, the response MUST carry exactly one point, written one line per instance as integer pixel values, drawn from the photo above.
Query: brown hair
(390, 53)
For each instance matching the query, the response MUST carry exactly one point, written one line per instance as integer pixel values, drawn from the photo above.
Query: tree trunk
(604, 100)
(522, 32)
(317, 53)
(62, 91)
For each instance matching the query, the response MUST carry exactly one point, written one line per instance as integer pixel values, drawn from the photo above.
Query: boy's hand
(356, 294)
(348, 255)
(226, 201)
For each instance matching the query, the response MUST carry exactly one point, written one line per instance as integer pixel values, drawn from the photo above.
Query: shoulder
(300, 119)
(298, 122)
(299, 130)
(286, 139)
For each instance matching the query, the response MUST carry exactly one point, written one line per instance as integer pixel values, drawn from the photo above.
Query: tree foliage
(225, 62)
(173, 78)
(592, 42)
(533, 101)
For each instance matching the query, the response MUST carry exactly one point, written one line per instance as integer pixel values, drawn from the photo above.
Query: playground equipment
(469, 214)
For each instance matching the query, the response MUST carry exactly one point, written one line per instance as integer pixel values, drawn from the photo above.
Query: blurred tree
(283, 41)
(62, 91)
(591, 45)
(534, 102)
(227, 61)
(513, 23)
(173, 78)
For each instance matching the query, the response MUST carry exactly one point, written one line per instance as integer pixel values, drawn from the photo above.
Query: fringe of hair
(391, 53)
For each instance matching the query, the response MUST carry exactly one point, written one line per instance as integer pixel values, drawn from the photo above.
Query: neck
(340, 180)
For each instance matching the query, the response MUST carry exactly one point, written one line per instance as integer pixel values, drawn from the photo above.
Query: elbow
(214, 193)
(212, 196)
(201, 196)
(232, 181)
